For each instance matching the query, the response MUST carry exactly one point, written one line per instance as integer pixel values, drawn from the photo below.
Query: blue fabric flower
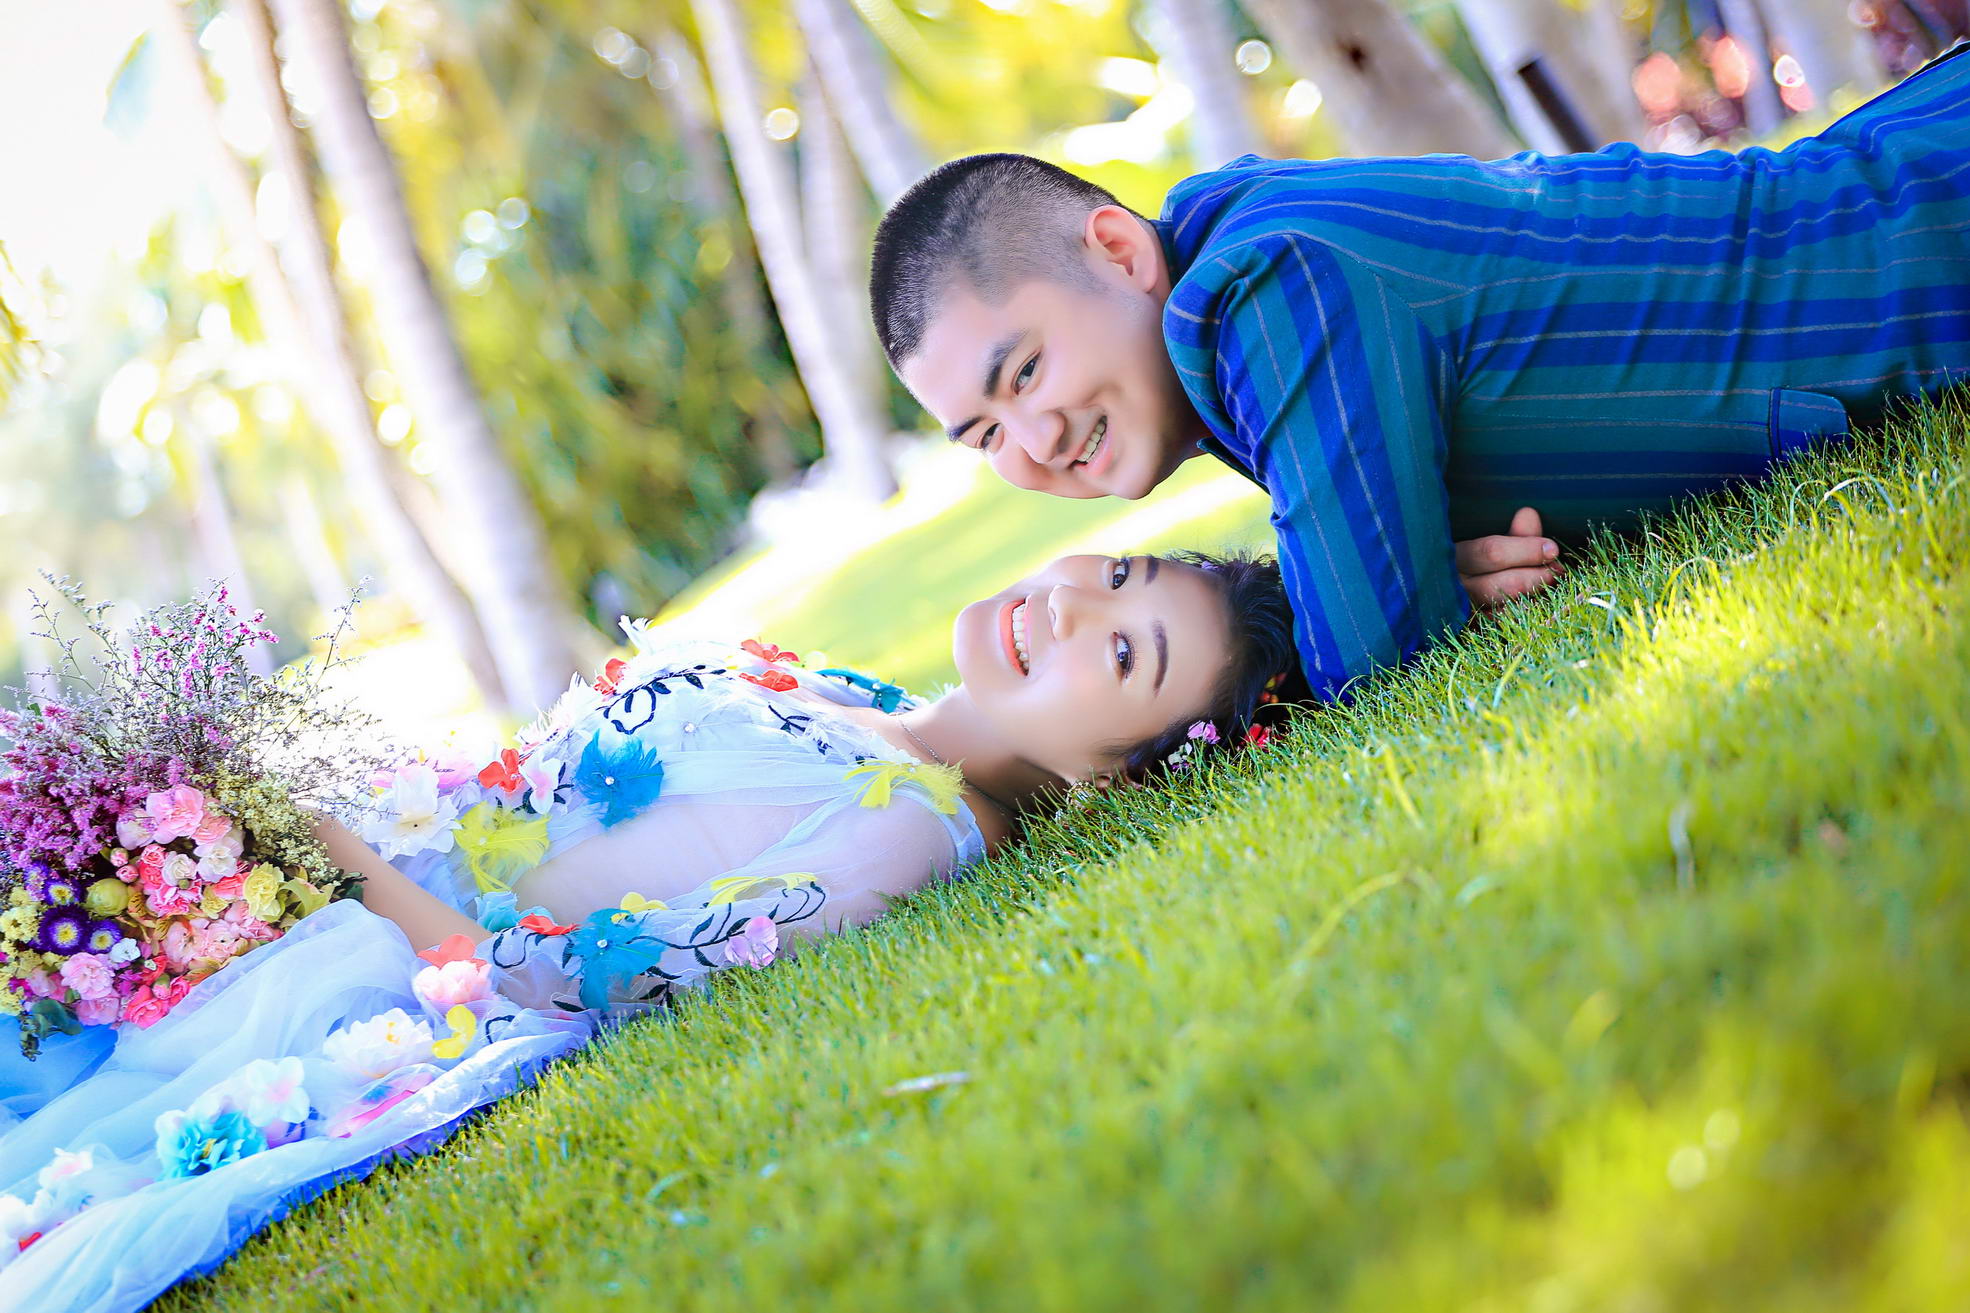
(624, 777)
(612, 948)
(197, 1145)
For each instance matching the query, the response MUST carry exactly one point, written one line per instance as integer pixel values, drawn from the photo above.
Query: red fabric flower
(777, 680)
(504, 773)
(611, 673)
(1257, 736)
(456, 948)
(541, 925)
(768, 652)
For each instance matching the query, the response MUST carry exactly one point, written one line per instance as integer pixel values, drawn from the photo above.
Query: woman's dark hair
(1262, 651)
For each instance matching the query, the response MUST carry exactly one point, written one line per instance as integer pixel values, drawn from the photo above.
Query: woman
(699, 806)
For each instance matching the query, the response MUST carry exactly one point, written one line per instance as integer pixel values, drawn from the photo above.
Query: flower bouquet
(152, 822)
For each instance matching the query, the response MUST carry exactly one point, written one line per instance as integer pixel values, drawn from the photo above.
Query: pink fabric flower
(99, 1011)
(756, 944)
(465, 981)
(219, 856)
(175, 813)
(90, 975)
(150, 859)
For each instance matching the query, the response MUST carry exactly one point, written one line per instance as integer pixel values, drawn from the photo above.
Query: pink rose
(90, 975)
(144, 1009)
(466, 980)
(133, 830)
(233, 885)
(756, 944)
(150, 859)
(175, 988)
(99, 1011)
(41, 984)
(175, 813)
(180, 945)
(246, 925)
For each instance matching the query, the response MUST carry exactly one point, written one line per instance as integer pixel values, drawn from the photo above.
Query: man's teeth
(1019, 637)
(1094, 441)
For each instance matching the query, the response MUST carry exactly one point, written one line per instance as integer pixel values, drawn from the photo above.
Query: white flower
(19, 1219)
(369, 1049)
(65, 1164)
(180, 870)
(639, 635)
(124, 950)
(543, 776)
(268, 1091)
(220, 857)
(410, 817)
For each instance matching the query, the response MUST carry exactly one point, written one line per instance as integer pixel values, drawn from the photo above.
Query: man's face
(1065, 389)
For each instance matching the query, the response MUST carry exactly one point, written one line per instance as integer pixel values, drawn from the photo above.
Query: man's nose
(1040, 436)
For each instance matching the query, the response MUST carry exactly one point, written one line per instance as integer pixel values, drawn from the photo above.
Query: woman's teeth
(1019, 638)
(1094, 442)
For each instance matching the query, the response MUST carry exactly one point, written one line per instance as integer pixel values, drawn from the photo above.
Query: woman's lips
(1005, 636)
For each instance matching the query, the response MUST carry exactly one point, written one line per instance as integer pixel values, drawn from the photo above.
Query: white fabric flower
(385, 1043)
(269, 1091)
(19, 1219)
(410, 817)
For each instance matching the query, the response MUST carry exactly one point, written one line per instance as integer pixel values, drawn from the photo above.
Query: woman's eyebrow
(1162, 653)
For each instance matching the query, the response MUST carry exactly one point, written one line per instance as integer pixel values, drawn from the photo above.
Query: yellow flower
(638, 903)
(107, 896)
(10, 1003)
(19, 923)
(499, 845)
(462, 1024)
(211, 902)
(262, 892)
(944, 784)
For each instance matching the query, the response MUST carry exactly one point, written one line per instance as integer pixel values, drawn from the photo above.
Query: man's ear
(1128, 245)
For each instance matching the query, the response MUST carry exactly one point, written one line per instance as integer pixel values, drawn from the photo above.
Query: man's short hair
(996, 221)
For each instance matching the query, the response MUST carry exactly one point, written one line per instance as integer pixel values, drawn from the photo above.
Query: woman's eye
(1025, 374)
(1118, 574)
(1124, 654)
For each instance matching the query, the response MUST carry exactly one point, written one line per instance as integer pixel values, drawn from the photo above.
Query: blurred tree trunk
(305, 316)
(835, 207)
(1389, 91)
(212, 530)
(851, 426)
(1201, 47)
(855, 74)
(533, 630)
(301, 516)
(691, 111)
(1833, 51)
(1763, 111)
(1564, 77)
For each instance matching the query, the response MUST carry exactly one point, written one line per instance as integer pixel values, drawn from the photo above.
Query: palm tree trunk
(835, 208)
(1388, 90)
(1566, 89)
(533, 629)
(855, 75)
(212, 530)
(304, 313)
(851, 427)
(692, 114)
(1197, 40)
(1762, 108)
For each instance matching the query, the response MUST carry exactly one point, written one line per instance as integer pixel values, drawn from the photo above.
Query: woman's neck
(999, 783)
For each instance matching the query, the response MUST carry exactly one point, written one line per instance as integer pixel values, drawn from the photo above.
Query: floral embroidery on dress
(944, 784)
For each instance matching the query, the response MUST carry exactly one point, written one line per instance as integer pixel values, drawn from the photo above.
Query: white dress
(717, 793)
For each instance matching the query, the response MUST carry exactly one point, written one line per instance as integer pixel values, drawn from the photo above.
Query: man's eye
(1124, 654)
(1025, 374)
(990, 436)
(1118, 574)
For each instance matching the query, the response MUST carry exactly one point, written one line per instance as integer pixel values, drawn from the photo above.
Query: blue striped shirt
(1403, 351)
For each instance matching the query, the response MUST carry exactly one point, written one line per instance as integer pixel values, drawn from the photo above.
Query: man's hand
(1497, 569)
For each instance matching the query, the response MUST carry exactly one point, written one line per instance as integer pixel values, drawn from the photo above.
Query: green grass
(1610, 957)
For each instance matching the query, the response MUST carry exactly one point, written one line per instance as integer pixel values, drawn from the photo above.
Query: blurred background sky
(538, 312)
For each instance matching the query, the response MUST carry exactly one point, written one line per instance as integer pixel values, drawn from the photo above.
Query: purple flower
(64, 930)
(1205, 731)
(102, 936)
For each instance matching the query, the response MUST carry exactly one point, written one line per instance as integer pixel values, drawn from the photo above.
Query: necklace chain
(916, 739)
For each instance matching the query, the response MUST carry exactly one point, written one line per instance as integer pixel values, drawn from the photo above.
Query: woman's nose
(1068, 606)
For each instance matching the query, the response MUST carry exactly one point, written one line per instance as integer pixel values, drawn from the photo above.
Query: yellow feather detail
(499, 845)
(944, 784)
(638, 903)
(463, 1025)
(731, 888)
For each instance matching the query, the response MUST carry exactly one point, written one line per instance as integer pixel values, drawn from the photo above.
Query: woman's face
(1091, 653)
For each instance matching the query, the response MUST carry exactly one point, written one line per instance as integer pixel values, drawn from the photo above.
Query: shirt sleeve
(1334, 393)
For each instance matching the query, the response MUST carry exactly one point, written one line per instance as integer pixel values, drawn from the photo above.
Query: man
(1402, 351)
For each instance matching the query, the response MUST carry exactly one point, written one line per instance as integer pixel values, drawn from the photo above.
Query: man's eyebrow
(1152, 564)
(995, 363)
(1162, 654)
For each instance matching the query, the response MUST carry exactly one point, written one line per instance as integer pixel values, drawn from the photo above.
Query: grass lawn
(1612, 957)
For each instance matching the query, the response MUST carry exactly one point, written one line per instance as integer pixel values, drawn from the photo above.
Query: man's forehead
(949, 368)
